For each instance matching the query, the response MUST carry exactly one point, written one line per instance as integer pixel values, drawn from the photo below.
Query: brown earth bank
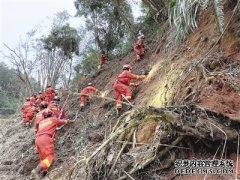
(204, 71)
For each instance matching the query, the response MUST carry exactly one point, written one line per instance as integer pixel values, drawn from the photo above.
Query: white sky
(17, 17)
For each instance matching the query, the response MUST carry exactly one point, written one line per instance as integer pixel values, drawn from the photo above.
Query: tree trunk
(130, 26)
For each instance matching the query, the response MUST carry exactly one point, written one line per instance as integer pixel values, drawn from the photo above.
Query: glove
(134, 84)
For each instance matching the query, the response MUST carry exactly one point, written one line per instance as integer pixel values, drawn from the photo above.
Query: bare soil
(202, 70)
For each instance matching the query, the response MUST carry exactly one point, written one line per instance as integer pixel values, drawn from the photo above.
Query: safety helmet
(142, 37)
(126, 67)
(40, 92)
(56, 98)
(43, 104)
(89, 84)
(28, 99)
(47, 113)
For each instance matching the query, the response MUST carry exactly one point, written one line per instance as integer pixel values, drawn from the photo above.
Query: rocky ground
(203, 71)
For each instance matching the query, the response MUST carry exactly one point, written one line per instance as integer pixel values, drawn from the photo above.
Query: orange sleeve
(93, 89)
(132, 76)
(60, 122)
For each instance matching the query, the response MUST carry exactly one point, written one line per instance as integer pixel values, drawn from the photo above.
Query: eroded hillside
(194, 83)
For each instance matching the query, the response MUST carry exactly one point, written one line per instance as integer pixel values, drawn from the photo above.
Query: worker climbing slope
(39, 116)
(54, 106)
(26, 105)
(122, 83)
(39, 98)
(139, 48)
(29, 114)
(86, 95)
(44, 141)
(102, 60)
(33, 98)
(49, 93)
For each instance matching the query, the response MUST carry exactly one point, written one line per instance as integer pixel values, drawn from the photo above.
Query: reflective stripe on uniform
(45, 123)
(47, 162)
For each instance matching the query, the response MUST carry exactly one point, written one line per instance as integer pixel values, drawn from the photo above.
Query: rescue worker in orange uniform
(39, 116)
(49, 93)
(85, 94)
(45, 143)
(139, 48)
(26, 106)
(33, 98)
(29, 115)
(122, 83)
(39, 98)
(102, 60)
(54, 107)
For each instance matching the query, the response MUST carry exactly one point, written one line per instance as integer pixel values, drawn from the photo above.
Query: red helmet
(47, 113)
(43, 104)
(127, 67)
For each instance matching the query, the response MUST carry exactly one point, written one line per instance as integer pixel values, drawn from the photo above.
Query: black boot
(81, 109)
(119, 112)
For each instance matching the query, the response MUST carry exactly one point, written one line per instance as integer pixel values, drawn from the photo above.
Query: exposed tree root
(121, 156)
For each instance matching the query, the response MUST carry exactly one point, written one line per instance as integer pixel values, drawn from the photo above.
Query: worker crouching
(121, 86)
(44, 141)
(85, 95)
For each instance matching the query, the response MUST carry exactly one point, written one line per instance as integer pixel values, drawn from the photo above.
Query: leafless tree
(22, 61)
(51, 66)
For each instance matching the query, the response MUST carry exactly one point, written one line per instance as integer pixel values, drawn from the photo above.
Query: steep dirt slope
(203, 70)
(16, 149)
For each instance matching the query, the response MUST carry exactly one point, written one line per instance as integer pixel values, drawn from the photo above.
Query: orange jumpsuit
(54, 108)
(84, 93)
(32, 99)
(44, 141)
(39, 117)
(29, 115)
(25, 107)
(121, 86)
(103, 59)
(49, 94)
(40, 98)
(139, 49)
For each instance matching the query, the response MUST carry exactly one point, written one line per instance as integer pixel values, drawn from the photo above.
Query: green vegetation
(10, 90)
(65, 38)
(183, 16)
(65, 54)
